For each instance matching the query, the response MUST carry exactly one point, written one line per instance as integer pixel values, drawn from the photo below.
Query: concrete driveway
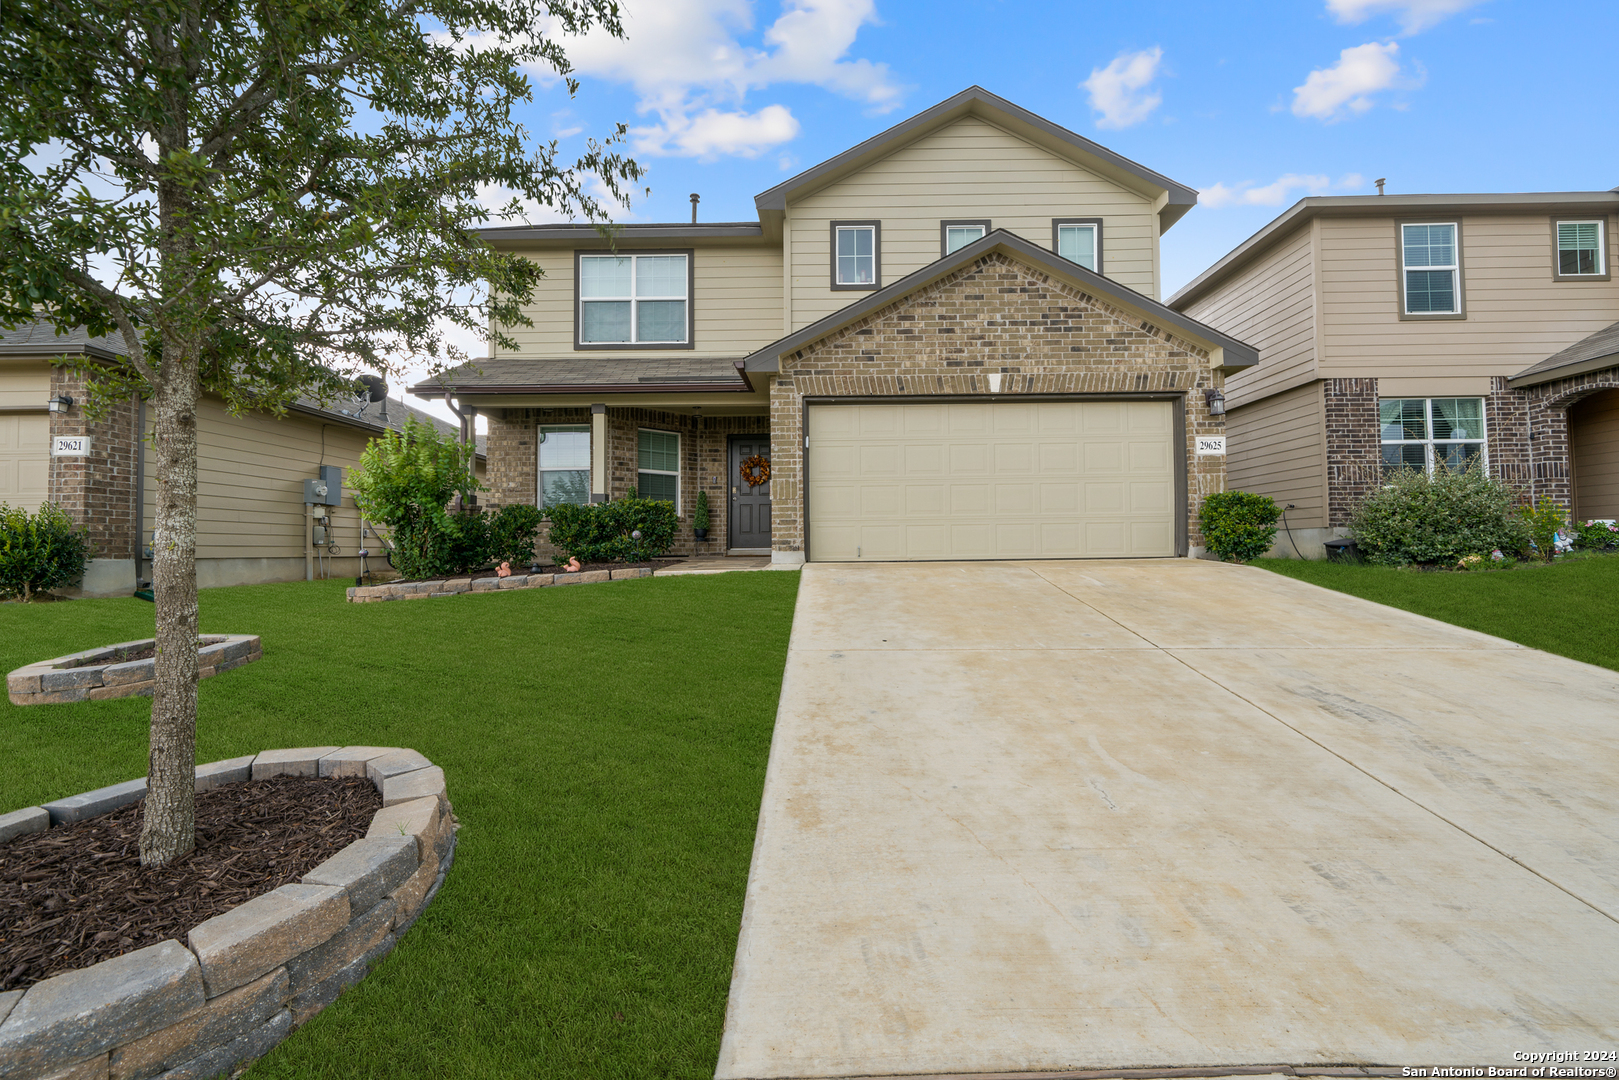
(1105, 815)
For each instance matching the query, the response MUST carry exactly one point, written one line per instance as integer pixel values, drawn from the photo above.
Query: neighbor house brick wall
(97, 491)
(996, 316)
(1354, 453)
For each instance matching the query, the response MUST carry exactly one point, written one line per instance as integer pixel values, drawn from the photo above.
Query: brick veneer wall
(1354, 453)
(1547, 405)
(997, 316)
(1506, 419)
(97, 491)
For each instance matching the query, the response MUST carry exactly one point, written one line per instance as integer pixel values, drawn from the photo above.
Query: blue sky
(728, 97)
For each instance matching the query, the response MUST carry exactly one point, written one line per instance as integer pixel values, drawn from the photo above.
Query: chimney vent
(695, 199)
(1380, 181)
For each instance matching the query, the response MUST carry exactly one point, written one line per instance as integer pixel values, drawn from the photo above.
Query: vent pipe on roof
(695, 199)
(1380, 181)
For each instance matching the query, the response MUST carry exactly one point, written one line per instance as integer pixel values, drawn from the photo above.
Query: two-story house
(943, 343)
(1400, 331)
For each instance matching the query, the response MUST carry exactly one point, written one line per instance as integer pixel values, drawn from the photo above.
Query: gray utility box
(328, 490)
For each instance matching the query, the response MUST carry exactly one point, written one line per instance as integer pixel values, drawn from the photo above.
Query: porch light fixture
(1215, 401)
(59, 404)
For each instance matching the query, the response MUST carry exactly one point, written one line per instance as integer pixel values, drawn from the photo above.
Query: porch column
(598, 453)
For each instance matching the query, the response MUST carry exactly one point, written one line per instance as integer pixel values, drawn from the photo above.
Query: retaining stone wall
(421, 590)
(245, 979)
(52, 681)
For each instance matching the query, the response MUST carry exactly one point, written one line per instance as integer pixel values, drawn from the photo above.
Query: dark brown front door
(750, 506)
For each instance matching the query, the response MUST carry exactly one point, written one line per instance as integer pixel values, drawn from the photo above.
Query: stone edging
(246, 978)
(50, 681)
(419, 590)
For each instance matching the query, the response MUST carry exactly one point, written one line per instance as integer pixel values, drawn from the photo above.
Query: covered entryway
(1006, 479)
(1593, 438)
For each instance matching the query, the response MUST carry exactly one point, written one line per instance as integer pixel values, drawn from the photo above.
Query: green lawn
(1570, 607)
(605, 749)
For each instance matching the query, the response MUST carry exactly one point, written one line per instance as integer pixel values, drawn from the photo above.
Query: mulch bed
(545, 568)
(75, 895)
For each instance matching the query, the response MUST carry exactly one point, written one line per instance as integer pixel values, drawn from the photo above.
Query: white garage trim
(946, 520)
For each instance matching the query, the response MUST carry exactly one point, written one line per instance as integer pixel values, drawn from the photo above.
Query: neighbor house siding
(737, 302)
(1516, 314)
(1270, 305)
(968, 170)
(1275, 447)
(1593, 435)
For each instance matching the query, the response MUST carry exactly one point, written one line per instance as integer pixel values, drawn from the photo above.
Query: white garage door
(25, 444)
(1002, 480)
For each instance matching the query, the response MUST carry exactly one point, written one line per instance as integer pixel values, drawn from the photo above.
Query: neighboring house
(251, 522)
(1415, 330)
(946, 342)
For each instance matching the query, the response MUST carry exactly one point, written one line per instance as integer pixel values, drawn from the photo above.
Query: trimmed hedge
(1238, 525)
(39, 551)
(603, 532)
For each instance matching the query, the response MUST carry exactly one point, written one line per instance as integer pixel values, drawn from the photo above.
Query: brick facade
(97, 491)
(1354, 453)
(995, 316)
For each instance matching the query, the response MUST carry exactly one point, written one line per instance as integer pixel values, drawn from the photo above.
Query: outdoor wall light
(59, 404)
(1215, 401)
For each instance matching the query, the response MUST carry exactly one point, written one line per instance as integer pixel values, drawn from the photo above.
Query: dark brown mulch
(77, 894)
(545, 568)
(121, 656)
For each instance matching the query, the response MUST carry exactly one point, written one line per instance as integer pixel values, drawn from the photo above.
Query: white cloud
(689, 66)
(1346, 87)
(1275, 193)
(711, 133)
(1120, 91)
(1414, 16)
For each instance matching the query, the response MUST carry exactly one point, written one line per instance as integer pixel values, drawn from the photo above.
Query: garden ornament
(505, 570)
(573, 566)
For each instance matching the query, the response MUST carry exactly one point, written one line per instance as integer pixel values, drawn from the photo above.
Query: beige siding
(1593, 428)
(737, 304)
(973, 170)
(1275, 447)
(1516, 314)
(1269, 305)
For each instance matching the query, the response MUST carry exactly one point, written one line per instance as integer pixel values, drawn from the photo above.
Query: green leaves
(604, 532)
(1417, 517)
(1238, 525)
(39, 551)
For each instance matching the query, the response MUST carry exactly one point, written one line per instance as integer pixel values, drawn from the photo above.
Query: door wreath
(756, 471)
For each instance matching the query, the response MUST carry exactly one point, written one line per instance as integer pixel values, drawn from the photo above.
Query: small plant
(1416, 517)
(1544, 521)
(1595, 535)
(699, 515)
(1238, 525)
(39, 551)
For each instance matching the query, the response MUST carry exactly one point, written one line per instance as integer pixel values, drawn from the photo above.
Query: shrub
(601, 532)
(405, 481)
(39, 551)
(1238, 525)
(1415, 517)
(512, 532)
(1595, 535)
(1544, 521)
(699, 516)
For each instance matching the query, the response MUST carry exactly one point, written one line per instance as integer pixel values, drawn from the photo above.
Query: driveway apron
(1109, 815)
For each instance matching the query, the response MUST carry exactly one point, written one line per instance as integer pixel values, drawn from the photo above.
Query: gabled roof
(1299, 213)
(1232, 354)
(976, 101)
(1599, 351)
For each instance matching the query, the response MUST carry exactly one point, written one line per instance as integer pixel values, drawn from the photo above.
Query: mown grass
(605, 748)
(1570, 607)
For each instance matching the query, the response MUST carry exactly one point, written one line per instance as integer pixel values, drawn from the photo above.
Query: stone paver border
(245, 979)
(455, 586)
(80, 677)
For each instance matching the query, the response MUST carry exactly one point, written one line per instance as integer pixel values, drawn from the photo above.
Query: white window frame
(1455, 269)
(1093, 224)
(982, 225)
(875, 228)
(539, 461)
(580, 300)
(659, 472)
(1602, 249)
(1428, 443)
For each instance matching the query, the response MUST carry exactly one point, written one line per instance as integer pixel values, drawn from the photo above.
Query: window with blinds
(1579, 248)
(1431, 266)
(658, 466)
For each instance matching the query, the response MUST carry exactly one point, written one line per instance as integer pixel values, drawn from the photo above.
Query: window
(564, 465)
(658, 465)
(1431, 269)
(1078, 240)
(1579, 249)
(634, 300)
(1426, 433)
(955, 235)
(857, 261)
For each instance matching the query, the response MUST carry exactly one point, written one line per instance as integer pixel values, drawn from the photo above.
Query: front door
(750, 505)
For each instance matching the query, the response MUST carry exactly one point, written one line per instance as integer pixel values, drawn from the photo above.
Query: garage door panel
(1007, 480)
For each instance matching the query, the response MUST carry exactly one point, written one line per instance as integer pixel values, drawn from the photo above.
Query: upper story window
(657, 462)
(1430, 268)
(1580, 250)
(636, 301)
(955, 235)
(1427, 433)
(1078, 240)
(857, 258)
(564, 465)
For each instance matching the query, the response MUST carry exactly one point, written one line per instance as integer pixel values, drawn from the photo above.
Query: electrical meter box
(326, 491)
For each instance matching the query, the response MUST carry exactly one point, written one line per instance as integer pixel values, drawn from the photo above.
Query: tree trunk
(168, 826)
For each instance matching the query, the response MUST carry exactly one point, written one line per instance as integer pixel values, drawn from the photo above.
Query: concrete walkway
(1106, 815)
